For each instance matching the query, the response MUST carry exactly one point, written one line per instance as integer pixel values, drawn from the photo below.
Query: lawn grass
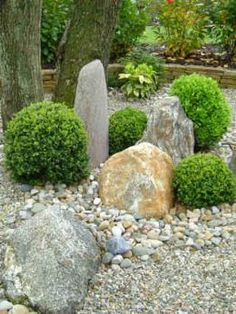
(149, 36)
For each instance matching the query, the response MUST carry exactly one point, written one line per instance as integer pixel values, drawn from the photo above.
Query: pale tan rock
(19, 309)
(138, 179)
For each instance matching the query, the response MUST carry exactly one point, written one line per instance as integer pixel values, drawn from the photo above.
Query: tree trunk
(89, 37)
(20, 66)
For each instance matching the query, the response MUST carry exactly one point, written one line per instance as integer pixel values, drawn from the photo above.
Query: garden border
(225, 77)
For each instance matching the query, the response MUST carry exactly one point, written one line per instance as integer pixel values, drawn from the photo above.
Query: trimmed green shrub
(126, 127)
(205, 104)
(203, 180)
(46, 142)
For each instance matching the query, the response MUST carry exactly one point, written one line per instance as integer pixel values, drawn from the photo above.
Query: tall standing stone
(169, 129)
(91, 106)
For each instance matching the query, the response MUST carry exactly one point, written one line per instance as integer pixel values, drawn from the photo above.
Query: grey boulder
(49, 262)
(169, 129)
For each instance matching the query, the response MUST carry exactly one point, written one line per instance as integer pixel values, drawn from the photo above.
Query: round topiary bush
(205, 104)
(126, 127)
(203, 180)
(46, 142)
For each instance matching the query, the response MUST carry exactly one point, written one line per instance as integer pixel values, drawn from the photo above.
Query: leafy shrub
(203, 180)
(205, 104)
(223, 30)
(126, 127)
(182, 26)
(131, 24)
(54, 18)
(140, 80)
(46, 142)
(139, 56)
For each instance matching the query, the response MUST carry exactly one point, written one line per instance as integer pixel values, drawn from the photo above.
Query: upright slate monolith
(91, 105)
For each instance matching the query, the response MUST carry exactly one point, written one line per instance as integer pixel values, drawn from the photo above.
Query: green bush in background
(182, 25)
(55, 14)
(132, 21)
(126, 127)
(205, 104)
(223, 29)
(46, 142)
(204, 180)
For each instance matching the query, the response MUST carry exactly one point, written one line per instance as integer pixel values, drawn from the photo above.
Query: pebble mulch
(184, 263)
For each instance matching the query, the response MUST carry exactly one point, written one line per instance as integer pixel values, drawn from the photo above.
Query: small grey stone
(138, 216)
(144, 258)
(216, 240)
(26, 188)
(140, 250)
(117, 259)
(116, 231)
(107, 258)
(24, 215)
(126, 263)
(34, 192)
(38, 207)
(5, 305)
(215, 210)
(117, 245)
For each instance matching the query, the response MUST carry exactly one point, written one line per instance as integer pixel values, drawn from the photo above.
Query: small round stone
(126, 263)
(5, 305)
(19, 309)
(107, 258)
(144, 258)
(104, 225)
(97, 201)
(117, 259)
(116, 231)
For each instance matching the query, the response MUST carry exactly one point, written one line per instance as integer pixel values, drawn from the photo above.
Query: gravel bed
(182, 264)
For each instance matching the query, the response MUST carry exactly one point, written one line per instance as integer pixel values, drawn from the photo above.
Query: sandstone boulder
(49, 262)
(91, 106)
(169, 129)
(139, 180)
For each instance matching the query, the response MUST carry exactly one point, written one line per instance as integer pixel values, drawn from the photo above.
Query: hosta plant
(139, 81)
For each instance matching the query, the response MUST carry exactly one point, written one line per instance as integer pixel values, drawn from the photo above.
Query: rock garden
(123, 201)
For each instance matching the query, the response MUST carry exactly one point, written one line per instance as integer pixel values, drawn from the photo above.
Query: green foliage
(46, 142)
(126, 127)
(132, 21)
(223, 30)
(203, 180)
(139, 81)
(54, 18)
(204, 103)
(139, 56)
(182, 25)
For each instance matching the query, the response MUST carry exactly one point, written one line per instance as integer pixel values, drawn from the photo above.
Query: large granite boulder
(169, 129)
(91, 105)
(139, 180)
(49, 262)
